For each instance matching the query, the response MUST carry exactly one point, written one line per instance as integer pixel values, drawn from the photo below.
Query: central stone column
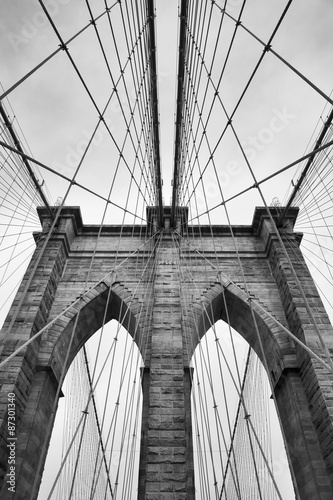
(166, 460)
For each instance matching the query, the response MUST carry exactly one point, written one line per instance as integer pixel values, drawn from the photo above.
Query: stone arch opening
(300, 434)
(223, 303)
(299, 384)
(222, 398)
(88, 315)
(97, 307)
(232, 306)
(110, 398)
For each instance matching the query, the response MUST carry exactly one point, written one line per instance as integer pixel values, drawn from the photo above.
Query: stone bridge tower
(167, 337)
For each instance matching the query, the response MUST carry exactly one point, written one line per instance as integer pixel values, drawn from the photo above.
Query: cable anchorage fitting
(63, 46)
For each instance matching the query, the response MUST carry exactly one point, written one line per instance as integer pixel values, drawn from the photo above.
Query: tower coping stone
(260, 214)
(65, 212)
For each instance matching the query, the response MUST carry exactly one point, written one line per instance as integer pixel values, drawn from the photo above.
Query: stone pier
(167, 336)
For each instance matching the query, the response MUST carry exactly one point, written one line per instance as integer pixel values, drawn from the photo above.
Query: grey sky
(57, 116)
(274, 122)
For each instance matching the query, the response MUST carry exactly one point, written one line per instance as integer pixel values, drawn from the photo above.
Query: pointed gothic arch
(299, 381)
(99, 306)
(66, 335)
(309, 461)
(230, 304)
(111, 377)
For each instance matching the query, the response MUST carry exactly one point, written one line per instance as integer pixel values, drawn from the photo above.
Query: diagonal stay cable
(203, 361)
(151, 50)
(251, 426)
(268, 48)
(153, 77)
(181, 72)
(229, 122)
(72, 181)
(65, 48)
(283, 247)
(48, 58)
(97, 421)
(140, 92)
(68, 179)
(76, 302)
(307, 166)
(63, 372)
(209, 72)
(268, 178)
(26, 163)
(122, 78)
(257, 304)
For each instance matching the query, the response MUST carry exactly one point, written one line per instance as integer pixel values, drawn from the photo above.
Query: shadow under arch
(231, 305)
(305, 451)
(95, 308)
(237, 420)
(110, 395)
(99, 305)
(228, 303)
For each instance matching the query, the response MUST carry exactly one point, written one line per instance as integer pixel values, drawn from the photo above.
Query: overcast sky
(275, 121)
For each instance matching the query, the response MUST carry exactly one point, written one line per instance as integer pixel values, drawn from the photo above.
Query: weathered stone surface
(167, 326)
